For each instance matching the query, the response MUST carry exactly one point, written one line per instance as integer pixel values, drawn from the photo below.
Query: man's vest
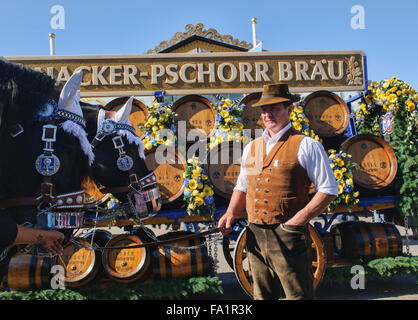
(277, 185)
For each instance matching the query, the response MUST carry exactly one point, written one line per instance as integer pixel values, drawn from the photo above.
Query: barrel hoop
(32, 271)
(193, 257)
(391, 244)
(360, 241)
(45, 271)
(372, 241)
(167, 256)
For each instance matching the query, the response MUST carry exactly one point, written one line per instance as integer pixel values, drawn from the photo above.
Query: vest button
(265, 201)
(266, 191)
(265, 212)
(268, 179)
(256, 200)
(257, 189)
(258, 179)
(256, 210)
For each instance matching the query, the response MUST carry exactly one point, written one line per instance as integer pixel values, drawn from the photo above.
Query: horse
(44, 148)
(119, 165)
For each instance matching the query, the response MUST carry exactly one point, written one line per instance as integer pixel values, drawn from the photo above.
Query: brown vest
(277, 185)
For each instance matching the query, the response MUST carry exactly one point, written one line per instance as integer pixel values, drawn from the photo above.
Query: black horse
(119, 164)
(44, 154)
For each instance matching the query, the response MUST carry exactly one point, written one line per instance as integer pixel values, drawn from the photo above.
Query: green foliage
(157, 289)
(375, 269)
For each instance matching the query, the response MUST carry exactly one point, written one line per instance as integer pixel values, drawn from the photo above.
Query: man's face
(276, 116)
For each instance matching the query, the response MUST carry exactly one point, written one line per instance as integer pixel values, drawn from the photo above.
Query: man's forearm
(237, 203)
(314, 208)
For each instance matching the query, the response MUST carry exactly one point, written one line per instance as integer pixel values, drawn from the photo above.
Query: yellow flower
(192, 184)
(225, 128)
(207, 191)
(219, 139)
(224, 114)
(200, 185)
(199, 201)
(152, 121)
(191, 206)
(340, 162)
(356, 194)
(154, 128)
(340, 189)
(148, 146)
(392, 98)
(297, 125)
(347, 198)
(411, 106)
(338, 174)
(349, 182)
(204, 177)
(415, 97)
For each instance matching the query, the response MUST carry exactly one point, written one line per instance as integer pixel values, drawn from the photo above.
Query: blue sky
(128, 27)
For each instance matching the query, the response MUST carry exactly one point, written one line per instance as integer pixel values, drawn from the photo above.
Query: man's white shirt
(311, 156)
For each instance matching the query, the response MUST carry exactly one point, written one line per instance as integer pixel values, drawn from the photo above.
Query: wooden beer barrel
(251, 117)
(81, 263)
(367, 241)
(197, 112)
(328, 114)
(28, 272)
(126, 265)
(138, 113)
(93, 196)
(176, 260)
(169, 173)
(376, 159)
(223, 167)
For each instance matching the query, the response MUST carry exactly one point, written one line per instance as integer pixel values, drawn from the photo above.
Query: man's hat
(274, 93)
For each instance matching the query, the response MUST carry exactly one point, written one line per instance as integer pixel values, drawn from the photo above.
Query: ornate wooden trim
(199, 30)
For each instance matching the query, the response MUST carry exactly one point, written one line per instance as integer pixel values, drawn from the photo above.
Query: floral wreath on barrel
(389, 108)
(159, 126)
(198, 191)
(229, 125)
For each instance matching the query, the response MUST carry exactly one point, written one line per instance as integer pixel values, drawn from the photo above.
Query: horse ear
(123, 113)
(69, 92)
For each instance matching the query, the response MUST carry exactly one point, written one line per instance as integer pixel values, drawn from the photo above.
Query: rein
(162, 242)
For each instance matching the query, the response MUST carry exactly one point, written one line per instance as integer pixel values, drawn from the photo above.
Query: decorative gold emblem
(354, 74)
(199, 30)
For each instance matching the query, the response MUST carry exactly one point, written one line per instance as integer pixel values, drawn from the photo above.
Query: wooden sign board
(205, 73)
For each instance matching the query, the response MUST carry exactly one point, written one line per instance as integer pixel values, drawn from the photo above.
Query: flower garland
(228, 123)
(160, 118)
(301, 122)
(198, 191)
(390, 109)
(347, 195)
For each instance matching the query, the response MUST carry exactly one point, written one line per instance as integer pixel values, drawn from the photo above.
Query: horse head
(44, 146)
(119, 163)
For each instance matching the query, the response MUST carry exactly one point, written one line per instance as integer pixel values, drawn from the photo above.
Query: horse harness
(143, 190)
(47, 164)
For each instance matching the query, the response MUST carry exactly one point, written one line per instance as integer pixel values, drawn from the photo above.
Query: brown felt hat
(274, 93)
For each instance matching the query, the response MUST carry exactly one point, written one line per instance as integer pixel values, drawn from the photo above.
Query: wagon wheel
(241, 266)
(228, 243)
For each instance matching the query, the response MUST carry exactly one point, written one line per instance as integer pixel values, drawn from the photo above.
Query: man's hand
(225, 223)
(51, 240)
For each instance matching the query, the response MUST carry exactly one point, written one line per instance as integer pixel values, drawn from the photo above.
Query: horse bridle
(144, 190)
(47, 164)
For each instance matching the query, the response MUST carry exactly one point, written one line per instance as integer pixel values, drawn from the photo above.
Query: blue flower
(186, 182)
(208, 200)
(198, 180)
(173, 128)
(348, 188)
(229, 109)
(160, 111)
(218, 117)
(187, 193)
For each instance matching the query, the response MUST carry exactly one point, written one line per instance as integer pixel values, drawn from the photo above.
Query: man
(276, 172)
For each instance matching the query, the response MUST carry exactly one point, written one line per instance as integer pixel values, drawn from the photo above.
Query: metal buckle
(19, 128)
(45, 133)
(118, 142)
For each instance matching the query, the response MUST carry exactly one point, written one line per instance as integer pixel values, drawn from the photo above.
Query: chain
(406, 234)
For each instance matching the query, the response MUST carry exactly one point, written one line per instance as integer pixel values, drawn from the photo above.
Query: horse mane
(23, 90)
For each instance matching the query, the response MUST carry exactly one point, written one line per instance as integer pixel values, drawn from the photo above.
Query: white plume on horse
(70, 101)
(121, 116)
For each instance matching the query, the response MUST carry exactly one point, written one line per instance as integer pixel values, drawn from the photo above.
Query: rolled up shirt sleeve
(8, 232)
(313, 158)
(241, 184)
